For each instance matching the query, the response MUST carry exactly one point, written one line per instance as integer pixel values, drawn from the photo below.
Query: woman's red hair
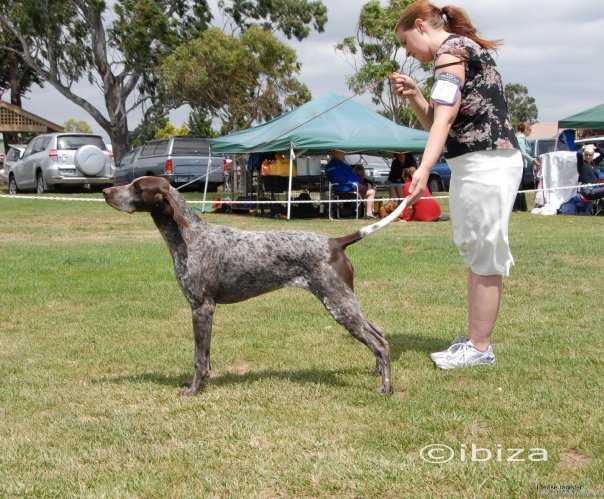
(451, 18)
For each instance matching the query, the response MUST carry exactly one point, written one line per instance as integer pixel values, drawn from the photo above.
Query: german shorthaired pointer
(216, 264)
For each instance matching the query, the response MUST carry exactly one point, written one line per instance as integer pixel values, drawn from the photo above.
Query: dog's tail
(346, 241)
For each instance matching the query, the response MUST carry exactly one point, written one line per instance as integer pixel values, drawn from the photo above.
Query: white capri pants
(483, 189)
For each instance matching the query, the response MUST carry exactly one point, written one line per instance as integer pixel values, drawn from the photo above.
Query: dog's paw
(189, 391)
(385, 390)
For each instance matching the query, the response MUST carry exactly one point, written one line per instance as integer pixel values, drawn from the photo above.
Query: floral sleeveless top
(483, 121)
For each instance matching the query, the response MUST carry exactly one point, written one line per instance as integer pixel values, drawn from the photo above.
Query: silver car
(377, 169)
(62, 159)
(13, 155)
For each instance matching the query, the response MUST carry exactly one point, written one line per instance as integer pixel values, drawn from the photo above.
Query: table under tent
(324, 124)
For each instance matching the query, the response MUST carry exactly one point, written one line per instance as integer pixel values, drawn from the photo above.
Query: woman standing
(467, 113)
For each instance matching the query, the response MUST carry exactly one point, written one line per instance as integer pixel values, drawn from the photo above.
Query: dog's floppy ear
(169, 196)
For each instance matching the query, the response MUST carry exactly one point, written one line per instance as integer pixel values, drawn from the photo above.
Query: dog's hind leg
(202, 334)
(341, 303)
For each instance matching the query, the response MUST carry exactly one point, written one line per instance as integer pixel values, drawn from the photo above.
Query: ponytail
(451, 18)
(456, 21)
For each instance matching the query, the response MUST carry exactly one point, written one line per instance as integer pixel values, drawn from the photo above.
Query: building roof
(14, 119)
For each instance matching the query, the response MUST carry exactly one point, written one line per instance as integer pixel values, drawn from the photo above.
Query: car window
(44, 141)
(35, 146)
(185, 147)
(161, 148)
(74, 142)
(29, 148)
(126, 160)
(148, 149)
(41, 143)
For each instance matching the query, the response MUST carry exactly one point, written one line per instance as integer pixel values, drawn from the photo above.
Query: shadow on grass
(303, 376)
(400, 343)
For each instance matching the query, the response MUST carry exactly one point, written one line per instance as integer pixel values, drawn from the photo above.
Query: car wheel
(434, 185)
(41, 185)
(12, 186)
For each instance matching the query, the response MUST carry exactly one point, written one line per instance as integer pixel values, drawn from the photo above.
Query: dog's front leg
(202, 334)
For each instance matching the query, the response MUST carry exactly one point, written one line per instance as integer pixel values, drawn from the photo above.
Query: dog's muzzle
(119, 198)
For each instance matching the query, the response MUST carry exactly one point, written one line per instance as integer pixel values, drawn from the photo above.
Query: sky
(554, 47)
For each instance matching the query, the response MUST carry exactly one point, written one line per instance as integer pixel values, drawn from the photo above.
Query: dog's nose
(106, 192)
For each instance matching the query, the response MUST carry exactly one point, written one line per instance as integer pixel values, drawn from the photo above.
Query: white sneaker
(462, 354)
(457, 340)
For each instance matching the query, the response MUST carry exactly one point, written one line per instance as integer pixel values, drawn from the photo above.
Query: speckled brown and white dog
(216, 264)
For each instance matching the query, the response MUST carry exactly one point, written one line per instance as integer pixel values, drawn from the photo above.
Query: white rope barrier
(243, 202)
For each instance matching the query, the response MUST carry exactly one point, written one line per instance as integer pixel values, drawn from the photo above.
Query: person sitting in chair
(425, 209)
(339, 172)
(587, 165)
(366, 190)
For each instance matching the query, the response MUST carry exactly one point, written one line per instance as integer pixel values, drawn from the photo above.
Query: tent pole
(289, 188)
(208, 170)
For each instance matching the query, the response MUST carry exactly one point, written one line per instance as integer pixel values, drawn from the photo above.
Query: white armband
(446, 89)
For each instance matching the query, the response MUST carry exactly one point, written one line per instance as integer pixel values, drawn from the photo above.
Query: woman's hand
(418, 185)
(403, 85)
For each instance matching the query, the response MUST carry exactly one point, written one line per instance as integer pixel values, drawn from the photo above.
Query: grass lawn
(96, 340)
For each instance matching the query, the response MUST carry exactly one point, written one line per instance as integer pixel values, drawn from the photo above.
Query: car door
(22, 177)
(35, 160)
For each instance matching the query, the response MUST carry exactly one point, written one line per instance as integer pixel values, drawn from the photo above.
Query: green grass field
(96, 341)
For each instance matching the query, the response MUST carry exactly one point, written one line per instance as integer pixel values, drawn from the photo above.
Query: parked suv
(179, 159)
(13, 155)
(62, 159)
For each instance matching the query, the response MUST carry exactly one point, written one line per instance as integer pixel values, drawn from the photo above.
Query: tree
(170, 130)
(522, 107)
(15, 74)
(15, 77)
(200, 124)
(73, 125)
(376, 53)
(239, 80)
(118, 50)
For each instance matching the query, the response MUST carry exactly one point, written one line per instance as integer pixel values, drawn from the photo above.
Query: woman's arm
(444, 117)
(405, 86)
(423, 109)
(525, 150)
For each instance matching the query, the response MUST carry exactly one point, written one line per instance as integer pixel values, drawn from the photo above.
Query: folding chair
(335, 195)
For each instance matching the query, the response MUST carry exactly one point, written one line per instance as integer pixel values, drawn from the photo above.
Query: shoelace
(456, 346)
(466, 351)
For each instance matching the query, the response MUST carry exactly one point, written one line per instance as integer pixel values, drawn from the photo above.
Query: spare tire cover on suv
(90, 160)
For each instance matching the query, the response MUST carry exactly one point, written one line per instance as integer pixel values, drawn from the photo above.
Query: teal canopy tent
(321, 125)
(591, 118)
